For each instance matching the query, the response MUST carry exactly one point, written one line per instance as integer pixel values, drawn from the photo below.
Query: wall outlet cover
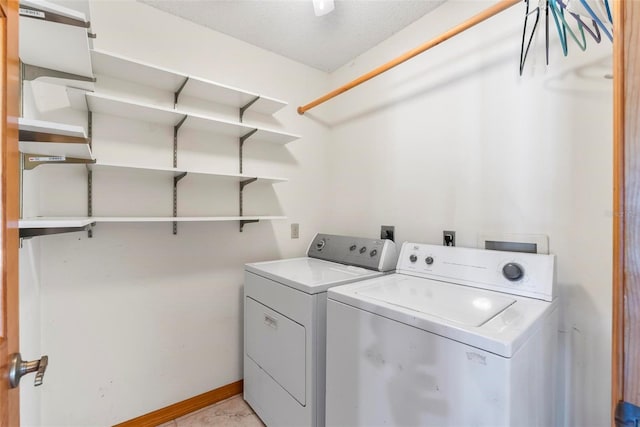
(295, 231)
(388, 232)
(448, 238)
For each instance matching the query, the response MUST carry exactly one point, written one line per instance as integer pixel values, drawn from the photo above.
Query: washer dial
(512, 271)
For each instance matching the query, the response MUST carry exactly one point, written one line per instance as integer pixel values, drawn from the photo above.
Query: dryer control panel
(517, 273)
(374, 254)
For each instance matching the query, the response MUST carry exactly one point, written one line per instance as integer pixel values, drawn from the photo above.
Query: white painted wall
(455, 139)
(136, 318)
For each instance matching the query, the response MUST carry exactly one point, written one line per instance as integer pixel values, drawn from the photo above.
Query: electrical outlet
(295, 231)
(449, 238)
(387, 232)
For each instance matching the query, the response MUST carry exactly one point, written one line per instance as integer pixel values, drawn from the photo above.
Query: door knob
(19, 367)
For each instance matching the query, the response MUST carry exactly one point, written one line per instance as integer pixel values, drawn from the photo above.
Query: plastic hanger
(597, 19)
(559, 11)
(524, 52)
(608, 9)
(562, 32)
(546, 30)
(595, 33)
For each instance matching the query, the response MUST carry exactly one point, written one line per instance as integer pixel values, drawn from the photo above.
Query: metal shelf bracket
(45, 15)
(89, 173)
(32, 161)
(246, 107)
(89, 199)
(27, 233)
(176, 128)
(176, 180)
(241, 145)
(176, 95)
(33, 72)
(242, 185)
(246, 221)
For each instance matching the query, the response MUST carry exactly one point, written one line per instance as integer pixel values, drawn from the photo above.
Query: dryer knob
(413, 258)
(512, 271)
(429, 260)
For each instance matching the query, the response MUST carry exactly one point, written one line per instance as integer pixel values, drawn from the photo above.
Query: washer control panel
(517, 273)
(375, 254)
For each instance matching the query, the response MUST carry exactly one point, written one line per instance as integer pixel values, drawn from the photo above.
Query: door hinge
(627, 415)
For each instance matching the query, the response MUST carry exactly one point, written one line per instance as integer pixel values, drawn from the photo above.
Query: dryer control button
(352, 248)
(512, 271)
(374, 252)
(363, 249)
(413, 258)
(428, 260)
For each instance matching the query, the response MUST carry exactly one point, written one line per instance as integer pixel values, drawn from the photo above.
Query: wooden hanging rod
(482, 16)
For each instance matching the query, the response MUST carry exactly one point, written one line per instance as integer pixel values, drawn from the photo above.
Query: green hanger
(558, 11)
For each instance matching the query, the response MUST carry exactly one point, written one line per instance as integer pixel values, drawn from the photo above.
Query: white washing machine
(285, 324)
(456, 337)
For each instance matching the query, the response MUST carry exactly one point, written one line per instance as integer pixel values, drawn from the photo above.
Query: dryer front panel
(277, 345)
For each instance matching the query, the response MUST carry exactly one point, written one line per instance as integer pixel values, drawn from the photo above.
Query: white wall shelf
(40, 226)
(55, 43)
(189, 218)
(142, 73)
(177, 172)
(147, 112)
(53, 139)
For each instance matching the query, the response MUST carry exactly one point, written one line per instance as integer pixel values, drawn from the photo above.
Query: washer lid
(310, 275)
(488, 320)
(454, 303)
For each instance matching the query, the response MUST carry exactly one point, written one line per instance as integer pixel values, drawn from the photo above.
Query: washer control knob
(428, 260)
(413, 258)
(373, 252)
(352, 248)
(363, 249)
(321, 244)
(512, 271)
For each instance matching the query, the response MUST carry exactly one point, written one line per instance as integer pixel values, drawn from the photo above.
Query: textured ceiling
(290, 28)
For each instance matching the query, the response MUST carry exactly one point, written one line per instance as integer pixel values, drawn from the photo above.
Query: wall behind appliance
(136, 318)
(455, 139)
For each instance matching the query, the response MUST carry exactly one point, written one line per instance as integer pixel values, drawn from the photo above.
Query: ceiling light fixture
(322, 7)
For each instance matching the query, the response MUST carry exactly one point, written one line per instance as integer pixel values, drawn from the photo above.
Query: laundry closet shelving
(46, 143)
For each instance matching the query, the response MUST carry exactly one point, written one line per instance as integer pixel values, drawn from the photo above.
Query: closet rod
(482, 16)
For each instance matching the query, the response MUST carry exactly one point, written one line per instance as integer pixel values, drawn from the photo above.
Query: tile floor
(233, 412)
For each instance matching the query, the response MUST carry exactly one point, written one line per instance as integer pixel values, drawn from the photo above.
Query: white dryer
(456, 337)
(285, 324)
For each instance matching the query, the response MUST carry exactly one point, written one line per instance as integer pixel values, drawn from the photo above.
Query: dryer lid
(459, 304)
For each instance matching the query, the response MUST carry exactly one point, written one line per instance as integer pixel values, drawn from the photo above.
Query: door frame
(625, 358)
(9, 206)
